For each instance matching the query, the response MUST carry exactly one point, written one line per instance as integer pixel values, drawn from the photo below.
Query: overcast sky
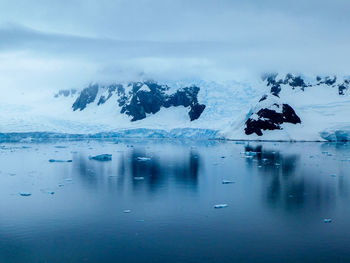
(64, 43)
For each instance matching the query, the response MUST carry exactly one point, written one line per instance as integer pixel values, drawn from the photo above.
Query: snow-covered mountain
(297, 108)
(276, 107)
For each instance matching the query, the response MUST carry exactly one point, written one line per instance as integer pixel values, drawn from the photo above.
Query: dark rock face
(289, 79)
(270, 119)
(149, 97)
(141, 98)
(87, 96)
(342, 86)
(196, 111)
(112, 88)
(65, 93)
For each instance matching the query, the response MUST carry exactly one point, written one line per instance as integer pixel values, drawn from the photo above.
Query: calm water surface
(76, 211)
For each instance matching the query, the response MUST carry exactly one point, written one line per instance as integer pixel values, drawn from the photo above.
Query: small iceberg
(47, 191)
(59, 161)
(221, 206)
(25, 194)
(327, 220)
(227, 182)
(101, 157)
(127, 211)
(143, 159)
(138, 178)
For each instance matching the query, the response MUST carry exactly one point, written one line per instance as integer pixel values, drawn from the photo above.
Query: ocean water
(154, 201)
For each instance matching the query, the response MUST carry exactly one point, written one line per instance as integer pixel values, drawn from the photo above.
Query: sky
(59, 44)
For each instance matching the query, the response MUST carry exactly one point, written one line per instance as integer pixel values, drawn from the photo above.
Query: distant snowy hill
(276, 107)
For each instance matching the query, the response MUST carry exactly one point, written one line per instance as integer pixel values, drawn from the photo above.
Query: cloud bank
(62, 44)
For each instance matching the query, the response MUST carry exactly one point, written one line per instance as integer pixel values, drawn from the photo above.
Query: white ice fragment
(127, 211)
(221, 206)
(227, 182)
(101, 157)
(25, 194)
(139, 178)
(46, 191)
(327, 220)
(143, 159)
(59, 161)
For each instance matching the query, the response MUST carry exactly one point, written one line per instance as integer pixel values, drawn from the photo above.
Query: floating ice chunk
(333, 175)
(227, 182)
(221, 206)
(327, 220)
(140, 220)
(59, 161)
(68, 179)
(46, 191)
(127, 211)
(60, 146)
(139, 178)
(143, 159)
(25, 194)
(101, 157)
